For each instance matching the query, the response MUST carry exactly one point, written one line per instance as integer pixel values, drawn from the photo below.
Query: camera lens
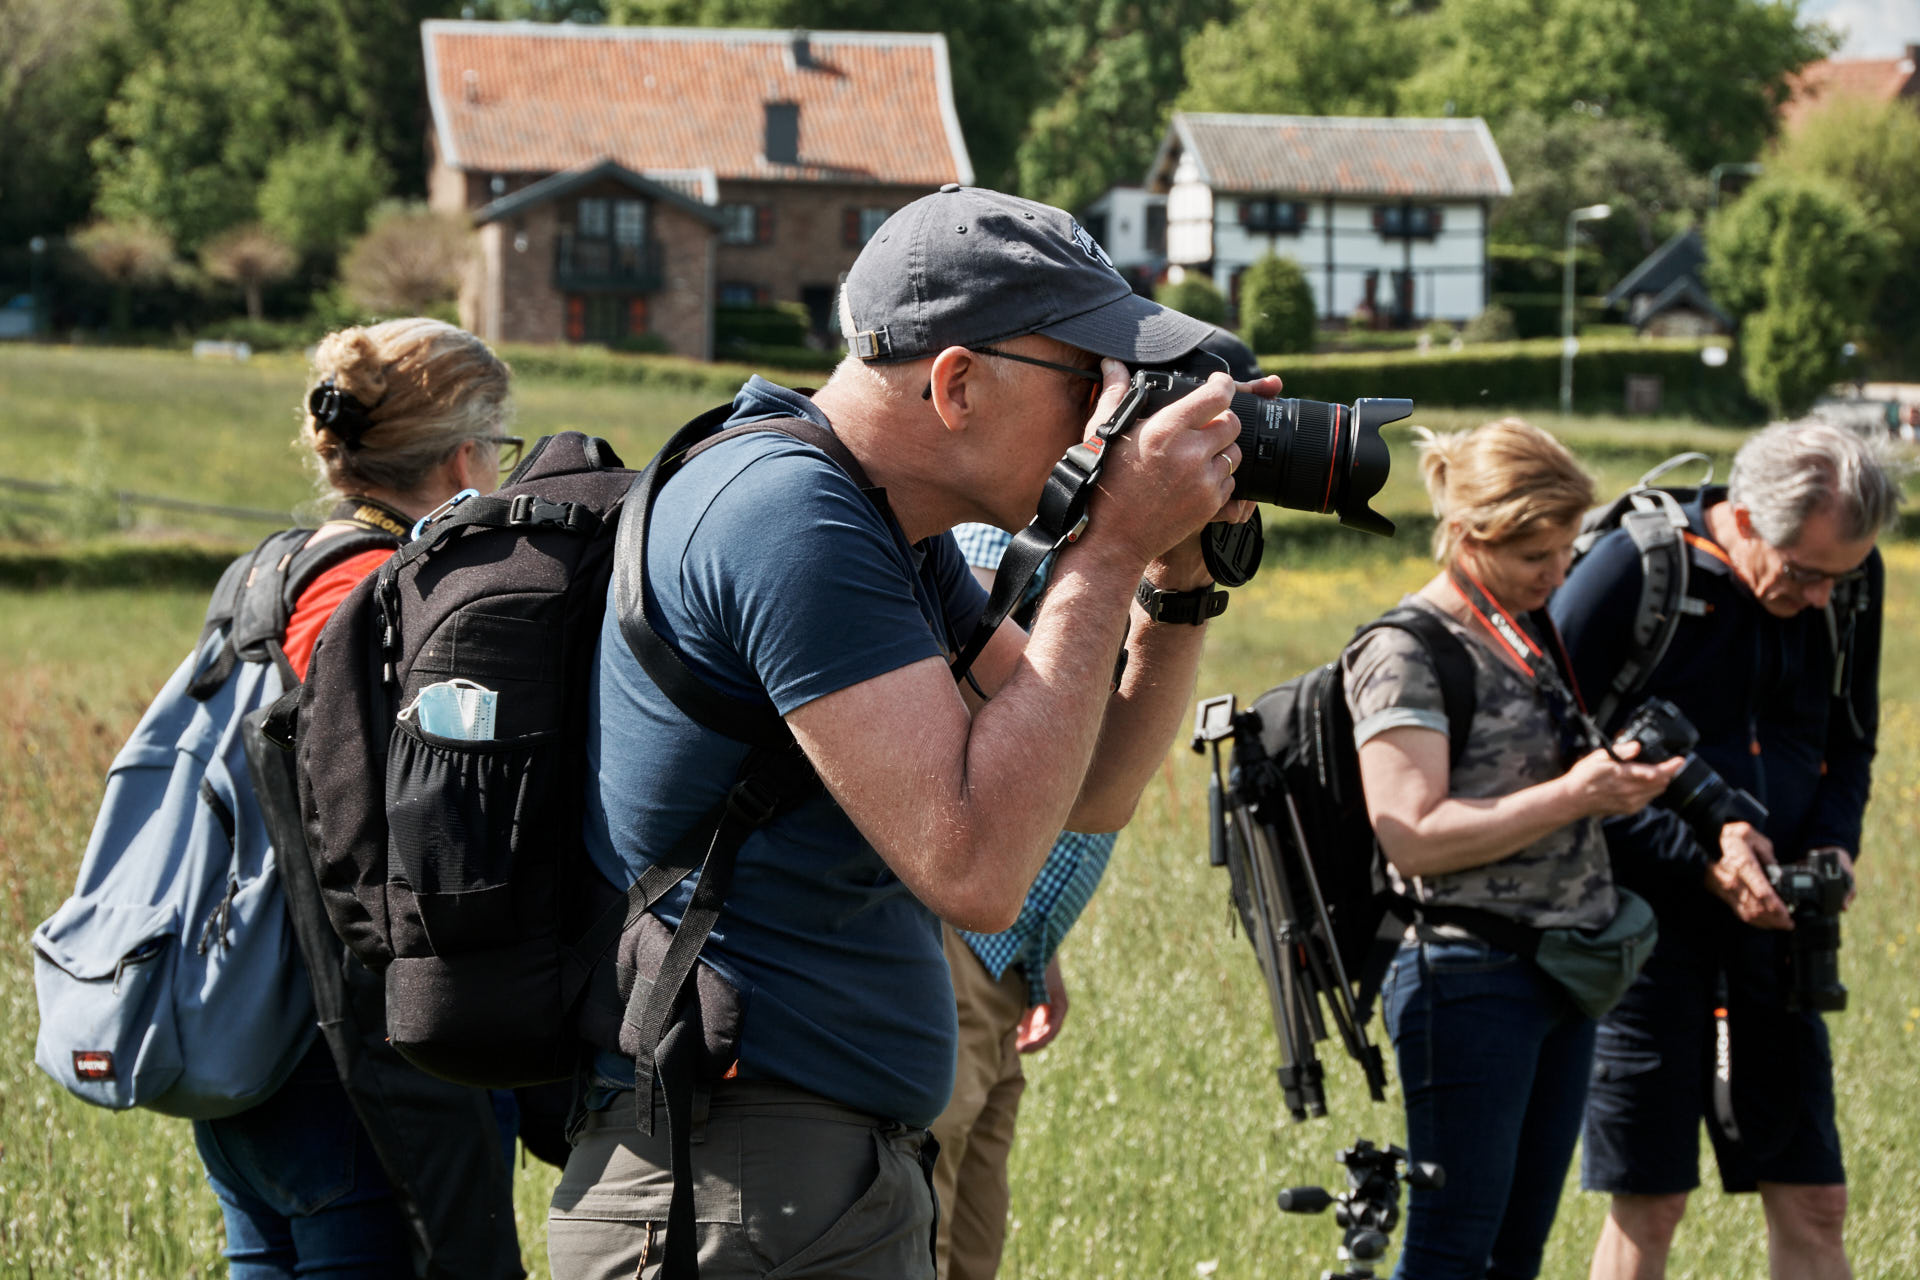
(1308, 455)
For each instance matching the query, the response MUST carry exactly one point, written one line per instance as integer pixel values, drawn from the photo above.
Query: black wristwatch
(1190, 607)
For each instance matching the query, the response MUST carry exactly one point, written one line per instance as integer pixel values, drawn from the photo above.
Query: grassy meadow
(1152, 1135)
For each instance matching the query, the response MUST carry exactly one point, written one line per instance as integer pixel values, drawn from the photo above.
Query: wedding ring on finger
(1233, 464)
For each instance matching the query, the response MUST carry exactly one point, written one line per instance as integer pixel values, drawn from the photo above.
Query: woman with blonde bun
(1493, 1053)
(399, 1175)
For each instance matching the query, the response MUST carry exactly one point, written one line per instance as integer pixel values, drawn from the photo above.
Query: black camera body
(1703, 799)
(1814, 891)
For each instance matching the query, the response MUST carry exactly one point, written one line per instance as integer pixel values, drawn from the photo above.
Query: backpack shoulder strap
(1655, 524)
(1451, 663)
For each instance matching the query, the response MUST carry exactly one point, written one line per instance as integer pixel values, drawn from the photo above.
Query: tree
(317, 194)
(58, 66)
(1872, 150)
(411, 261)
(1276, 307)
(250, 256)
(126, 254)
(1304, 57)
(1559, 165)
(1193, 295)
(1708, 75)
(1799, 265)
(1117, 73)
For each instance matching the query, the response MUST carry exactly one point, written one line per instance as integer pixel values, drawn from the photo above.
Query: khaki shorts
(786, 1184)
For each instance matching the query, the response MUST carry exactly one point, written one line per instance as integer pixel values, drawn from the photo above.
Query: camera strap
(1061, 519)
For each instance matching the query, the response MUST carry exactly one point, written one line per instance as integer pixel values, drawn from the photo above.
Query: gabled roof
(1681, 257)
(1335, 156)
(526, 97)
(562, 184)
(1687, 291)
(1874, 79)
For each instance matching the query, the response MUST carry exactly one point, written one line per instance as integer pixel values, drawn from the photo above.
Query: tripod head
(1369, 1208)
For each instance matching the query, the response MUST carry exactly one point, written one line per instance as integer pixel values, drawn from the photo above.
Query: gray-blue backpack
(172, 978)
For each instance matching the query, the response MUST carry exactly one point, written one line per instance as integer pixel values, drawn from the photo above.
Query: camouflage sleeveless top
(1562, 880)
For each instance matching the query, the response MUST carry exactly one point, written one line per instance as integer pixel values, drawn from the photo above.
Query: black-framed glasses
(1091, 375)
(509, 450)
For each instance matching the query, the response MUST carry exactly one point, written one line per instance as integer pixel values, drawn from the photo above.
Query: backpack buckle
(532, 509)
(753, 801)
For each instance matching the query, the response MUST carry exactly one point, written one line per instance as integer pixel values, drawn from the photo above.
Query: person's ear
(1743, 521)
(955, 386)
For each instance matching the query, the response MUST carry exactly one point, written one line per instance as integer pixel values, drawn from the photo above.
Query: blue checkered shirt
(1072, 871)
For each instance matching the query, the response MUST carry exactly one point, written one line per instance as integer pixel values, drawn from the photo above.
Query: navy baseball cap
(966, 266)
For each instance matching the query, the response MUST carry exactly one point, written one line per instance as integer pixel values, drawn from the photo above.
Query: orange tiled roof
(522, 97)
(1877, 79)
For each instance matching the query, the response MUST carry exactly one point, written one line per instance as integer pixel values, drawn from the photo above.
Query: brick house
(1871, 79)
(1386, 217)
(630, 180)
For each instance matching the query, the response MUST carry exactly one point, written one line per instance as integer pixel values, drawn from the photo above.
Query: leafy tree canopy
(1708, 75)
(59, 62)
(1304, 57)
(316, 194)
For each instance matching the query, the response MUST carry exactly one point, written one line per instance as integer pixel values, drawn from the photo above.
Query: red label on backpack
(93, 1064)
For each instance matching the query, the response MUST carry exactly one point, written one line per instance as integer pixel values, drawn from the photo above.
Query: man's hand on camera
(1166, 479)
(1739, 878)
(1603, 786)
(1846, 860)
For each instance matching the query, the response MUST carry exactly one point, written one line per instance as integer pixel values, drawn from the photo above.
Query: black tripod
(1369, 1208)
(1285, 913)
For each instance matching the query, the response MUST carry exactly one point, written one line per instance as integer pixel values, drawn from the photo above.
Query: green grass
(1152, 1137)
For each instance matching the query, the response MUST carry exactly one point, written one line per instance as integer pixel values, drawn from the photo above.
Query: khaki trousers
(785, 1184)
(976, 1130)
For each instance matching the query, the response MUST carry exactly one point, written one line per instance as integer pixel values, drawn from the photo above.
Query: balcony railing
(585, 265)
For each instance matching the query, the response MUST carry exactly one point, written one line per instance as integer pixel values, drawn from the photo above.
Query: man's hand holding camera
(1739, 877)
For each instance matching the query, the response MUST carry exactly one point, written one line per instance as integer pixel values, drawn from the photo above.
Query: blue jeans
(1494, 1060)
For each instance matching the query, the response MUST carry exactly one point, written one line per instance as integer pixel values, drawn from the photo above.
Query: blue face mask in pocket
(458, 709)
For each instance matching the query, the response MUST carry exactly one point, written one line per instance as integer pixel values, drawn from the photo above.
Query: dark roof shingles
(1348, 156)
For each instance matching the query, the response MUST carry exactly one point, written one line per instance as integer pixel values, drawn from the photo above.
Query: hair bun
(352, 360)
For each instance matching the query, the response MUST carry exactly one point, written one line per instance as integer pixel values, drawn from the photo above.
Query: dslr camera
(1814, 890)
(1702, 798)
(1305, 455)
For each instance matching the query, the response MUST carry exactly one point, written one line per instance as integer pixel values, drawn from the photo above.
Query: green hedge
(777, 324)
(116, 564)
(1527, 375)
(666, 373)
(1537, 315)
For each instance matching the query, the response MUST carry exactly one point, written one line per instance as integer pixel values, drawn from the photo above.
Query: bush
(125, 254)
(316, 194)
(267, 335)
(1276, 307)
(778, 324)
(250, 256)
(1527, 375)
(646, 344)
(665, 373)
(1537, 315)
(410, 261)
(1495, 324)
(1439, 332)
(1194, 296)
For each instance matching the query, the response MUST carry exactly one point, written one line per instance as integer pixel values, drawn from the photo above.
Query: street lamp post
(1586, 213)
(1719, 171)
(38, 247)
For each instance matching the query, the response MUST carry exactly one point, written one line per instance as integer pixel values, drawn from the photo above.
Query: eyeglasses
(1806, 575)
(1091, 375)
(509, 450)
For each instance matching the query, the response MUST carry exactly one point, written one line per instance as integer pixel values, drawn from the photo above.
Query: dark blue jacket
(1760, 691)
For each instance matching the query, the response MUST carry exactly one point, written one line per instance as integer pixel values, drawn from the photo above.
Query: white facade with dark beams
(1387, 216)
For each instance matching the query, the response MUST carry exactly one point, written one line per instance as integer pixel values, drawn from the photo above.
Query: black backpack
(457, 868)
(1305, 755)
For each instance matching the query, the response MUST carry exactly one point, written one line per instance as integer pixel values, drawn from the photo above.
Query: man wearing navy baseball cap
(987, 336)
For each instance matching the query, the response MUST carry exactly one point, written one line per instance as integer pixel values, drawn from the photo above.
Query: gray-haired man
(1776, 662)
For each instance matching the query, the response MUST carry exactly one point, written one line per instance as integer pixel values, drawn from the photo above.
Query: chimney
(800, 49)
(783, 133)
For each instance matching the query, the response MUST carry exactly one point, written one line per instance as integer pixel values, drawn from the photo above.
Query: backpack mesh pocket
(469, 825)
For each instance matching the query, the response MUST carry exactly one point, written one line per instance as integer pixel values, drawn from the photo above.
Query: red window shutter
(762, 295)
(636, 315)
(1433, 220)
(763, 224)
(850, 228)
(576, 318)
(1246, 213)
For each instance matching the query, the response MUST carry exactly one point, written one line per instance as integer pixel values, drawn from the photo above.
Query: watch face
(1232, 551)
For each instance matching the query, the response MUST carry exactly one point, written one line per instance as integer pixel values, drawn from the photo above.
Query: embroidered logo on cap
(1093, 249)
(92, 1064)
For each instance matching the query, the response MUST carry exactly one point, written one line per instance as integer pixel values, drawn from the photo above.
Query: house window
(738, 293)
(592, 220)
(746, 224)
(860, 225)
(604, 317)
(629, 222)
(1268, 215)
(1157, 229)
(1406, 221)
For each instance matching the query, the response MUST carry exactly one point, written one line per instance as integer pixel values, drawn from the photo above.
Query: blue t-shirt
(773, 576)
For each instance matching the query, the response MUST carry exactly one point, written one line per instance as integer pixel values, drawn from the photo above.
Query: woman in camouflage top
(1493, 1056)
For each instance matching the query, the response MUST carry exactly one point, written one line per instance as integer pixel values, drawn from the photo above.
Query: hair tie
(339, 412)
